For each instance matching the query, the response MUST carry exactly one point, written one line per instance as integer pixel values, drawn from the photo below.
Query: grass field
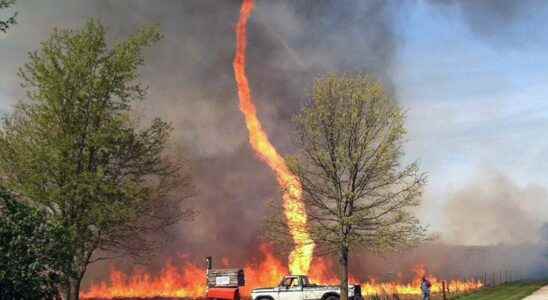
(511, 291)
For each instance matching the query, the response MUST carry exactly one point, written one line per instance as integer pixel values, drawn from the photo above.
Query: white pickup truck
(298, 287)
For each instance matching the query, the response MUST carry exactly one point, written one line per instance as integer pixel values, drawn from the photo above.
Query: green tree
(74, 148)
(6, 23)
(356, 192)
(33, 251)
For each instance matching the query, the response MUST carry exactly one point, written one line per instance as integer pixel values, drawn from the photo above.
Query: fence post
(443, 290)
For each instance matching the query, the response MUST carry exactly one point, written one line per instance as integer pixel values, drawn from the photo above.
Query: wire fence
(454, 288)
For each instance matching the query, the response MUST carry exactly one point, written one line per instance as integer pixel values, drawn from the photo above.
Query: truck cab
(292, 287)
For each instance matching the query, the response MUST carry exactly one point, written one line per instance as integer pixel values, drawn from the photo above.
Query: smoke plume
(191, 85)
(492, 209)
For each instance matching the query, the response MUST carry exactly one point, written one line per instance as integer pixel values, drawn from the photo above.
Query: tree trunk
(72, 291)
(343, 262)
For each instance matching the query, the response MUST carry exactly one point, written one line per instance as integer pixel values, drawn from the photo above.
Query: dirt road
(541, 294)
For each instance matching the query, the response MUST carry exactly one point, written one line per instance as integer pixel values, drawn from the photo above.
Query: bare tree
(356, 191)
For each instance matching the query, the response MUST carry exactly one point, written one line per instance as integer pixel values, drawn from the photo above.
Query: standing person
(425, 288)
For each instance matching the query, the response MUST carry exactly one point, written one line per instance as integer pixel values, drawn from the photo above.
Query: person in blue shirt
(425, 288)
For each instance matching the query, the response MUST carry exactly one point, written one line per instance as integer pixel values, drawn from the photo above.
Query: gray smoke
(191, 84)
(544, 233)
(492, 209)
(498, 22)
(460, 262)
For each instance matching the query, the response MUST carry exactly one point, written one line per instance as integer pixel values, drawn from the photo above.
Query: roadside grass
(510, 291)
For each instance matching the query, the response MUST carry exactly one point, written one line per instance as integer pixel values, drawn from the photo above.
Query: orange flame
(301, 256)
(372, 287)
(188, 281)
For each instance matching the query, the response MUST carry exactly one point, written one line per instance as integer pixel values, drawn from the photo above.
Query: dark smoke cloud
(499, 22)
(191, 84)
(492, 209)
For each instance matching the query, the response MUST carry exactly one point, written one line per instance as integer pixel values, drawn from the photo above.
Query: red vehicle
(223, 283)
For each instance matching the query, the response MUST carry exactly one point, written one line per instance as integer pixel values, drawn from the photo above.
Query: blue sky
(476, 105)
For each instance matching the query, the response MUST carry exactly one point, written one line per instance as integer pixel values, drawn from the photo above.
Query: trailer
(223, 283)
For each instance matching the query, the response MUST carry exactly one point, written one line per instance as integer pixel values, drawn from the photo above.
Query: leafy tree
(356, 192)
(74, 148)
(6, 23)
(33, 251)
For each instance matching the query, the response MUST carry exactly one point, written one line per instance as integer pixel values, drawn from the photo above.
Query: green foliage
(74, 148)
(6, 23)
(33, 251)
(356, 191)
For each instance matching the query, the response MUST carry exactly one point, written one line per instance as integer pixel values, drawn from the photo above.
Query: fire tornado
(294, 210)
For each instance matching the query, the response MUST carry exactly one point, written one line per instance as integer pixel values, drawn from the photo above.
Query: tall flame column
(301, 257)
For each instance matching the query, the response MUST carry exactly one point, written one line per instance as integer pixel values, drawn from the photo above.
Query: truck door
(292, 289)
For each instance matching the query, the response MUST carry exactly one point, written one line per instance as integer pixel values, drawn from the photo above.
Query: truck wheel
(332, 297)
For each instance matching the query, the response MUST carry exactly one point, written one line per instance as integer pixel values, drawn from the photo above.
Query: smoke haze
(492, 209)
(498, 22)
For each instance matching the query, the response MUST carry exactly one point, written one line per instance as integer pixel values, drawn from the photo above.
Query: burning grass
(457, 287)
(189, 281)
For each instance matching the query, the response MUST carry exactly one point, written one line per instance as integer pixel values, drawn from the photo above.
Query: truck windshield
(290, 282)
(287, 281)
